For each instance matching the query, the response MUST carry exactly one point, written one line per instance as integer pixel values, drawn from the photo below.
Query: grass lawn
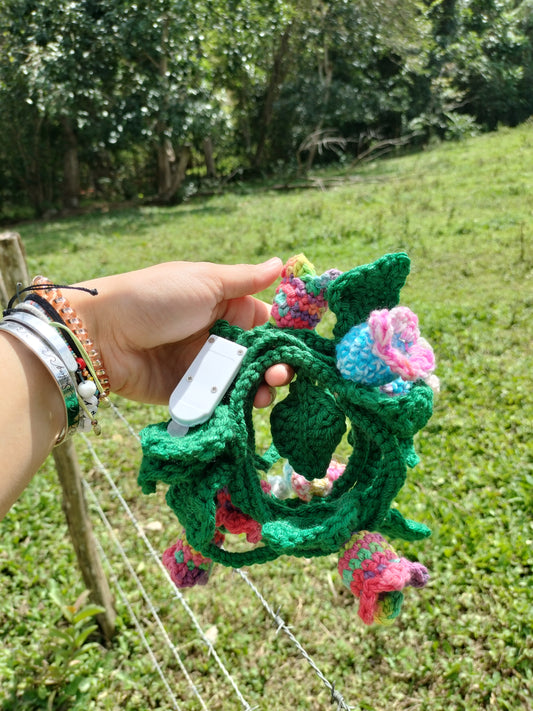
(464, 214)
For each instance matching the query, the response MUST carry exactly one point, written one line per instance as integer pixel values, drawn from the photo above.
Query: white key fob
(204, 384)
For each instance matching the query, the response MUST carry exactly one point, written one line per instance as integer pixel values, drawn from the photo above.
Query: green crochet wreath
(306, 429)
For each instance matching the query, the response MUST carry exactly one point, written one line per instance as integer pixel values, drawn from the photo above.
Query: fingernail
(272, 261)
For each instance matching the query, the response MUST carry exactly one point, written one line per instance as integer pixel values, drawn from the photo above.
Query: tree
(247, 46)
(161, 85)
(351, 75)
(488, 60)
(128, 94)
(483, 54)
(65, 65)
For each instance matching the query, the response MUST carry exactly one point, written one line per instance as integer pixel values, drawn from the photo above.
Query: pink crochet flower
(397, 342)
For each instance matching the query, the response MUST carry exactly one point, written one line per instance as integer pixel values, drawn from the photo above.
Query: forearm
(31, 417)
(141, 331)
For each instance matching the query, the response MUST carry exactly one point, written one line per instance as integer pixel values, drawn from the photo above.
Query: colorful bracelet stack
(60, 304)
(48, 325)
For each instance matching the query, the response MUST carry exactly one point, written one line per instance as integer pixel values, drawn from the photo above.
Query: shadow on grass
(62, 233)
(28, 700)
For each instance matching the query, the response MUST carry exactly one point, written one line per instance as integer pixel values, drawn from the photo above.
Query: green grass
(464, 213)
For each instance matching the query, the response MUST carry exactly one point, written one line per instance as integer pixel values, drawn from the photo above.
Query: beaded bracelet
(60, 303)
(67, 346)
(40, 321)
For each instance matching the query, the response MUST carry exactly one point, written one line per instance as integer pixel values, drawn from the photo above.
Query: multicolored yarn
(397, 387)
(300, 299)
(388, 345)
(306, 489)
(186, 566)
(372, 570)
(280, 484)
(215, 476)
(231, 519)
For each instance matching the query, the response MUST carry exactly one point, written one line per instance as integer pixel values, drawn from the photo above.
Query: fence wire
(163, 635)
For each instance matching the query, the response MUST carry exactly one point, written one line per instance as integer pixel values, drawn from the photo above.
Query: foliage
(487, 59)
(463, 212)
(59, 672)
(118, 100)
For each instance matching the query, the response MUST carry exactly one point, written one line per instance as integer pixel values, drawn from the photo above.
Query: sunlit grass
(464, 213)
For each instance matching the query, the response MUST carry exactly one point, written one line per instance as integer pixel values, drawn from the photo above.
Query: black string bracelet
(46, 287)
(47, 307)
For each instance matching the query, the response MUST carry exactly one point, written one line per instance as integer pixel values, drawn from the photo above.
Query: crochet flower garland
(367, 381)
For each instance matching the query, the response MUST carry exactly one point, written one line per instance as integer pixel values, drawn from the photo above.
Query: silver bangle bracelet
(49, 335)
(53, 363)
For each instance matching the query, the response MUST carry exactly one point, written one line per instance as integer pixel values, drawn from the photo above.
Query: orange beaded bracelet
(60, 303)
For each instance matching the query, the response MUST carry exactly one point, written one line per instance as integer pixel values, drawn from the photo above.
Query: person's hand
(150, 324)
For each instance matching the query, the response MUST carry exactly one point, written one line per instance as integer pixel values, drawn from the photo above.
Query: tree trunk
(171, 169)
(71, 167)
(325, 77)
(29, 161)
(279, 70)
(165, 159)
(209, 159)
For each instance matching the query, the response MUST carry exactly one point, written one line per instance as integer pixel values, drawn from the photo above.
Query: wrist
(32, 416)
(35, 386)
(71, 318)
(46, 323)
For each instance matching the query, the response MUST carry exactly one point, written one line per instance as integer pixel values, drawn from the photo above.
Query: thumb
(246, 279)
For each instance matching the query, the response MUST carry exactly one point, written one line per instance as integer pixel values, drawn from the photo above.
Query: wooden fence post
(13, 270)
(12, 265)
(82, 536)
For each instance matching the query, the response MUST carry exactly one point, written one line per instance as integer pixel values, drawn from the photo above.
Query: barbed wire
(146, 598)
(157, 559)
(335, 696)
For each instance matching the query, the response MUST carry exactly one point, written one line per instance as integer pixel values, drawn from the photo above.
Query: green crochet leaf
(354, 294)
(307, 427)
(396, 526)
(407, 448)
